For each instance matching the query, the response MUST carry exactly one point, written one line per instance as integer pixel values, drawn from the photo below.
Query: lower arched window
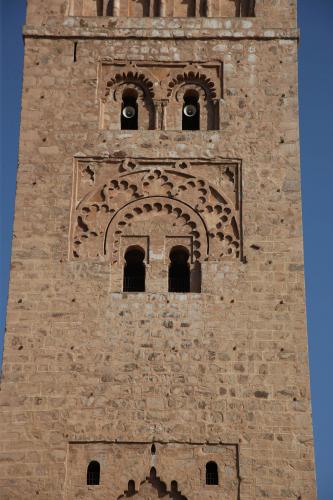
(179, 270)
(134, 270)
(212, 473)
(93, 473)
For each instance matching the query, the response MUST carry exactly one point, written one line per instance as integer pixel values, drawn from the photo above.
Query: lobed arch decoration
(152, 487)
(135, 83)
(182, 221)
(161, 91)
(184, 204)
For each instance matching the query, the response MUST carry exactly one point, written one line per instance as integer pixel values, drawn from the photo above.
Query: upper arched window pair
(179, 271)
(189, 108)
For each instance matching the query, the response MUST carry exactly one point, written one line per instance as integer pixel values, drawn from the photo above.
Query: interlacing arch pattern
(189, 206)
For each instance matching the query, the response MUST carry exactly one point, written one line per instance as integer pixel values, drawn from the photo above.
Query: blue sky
(316, 105)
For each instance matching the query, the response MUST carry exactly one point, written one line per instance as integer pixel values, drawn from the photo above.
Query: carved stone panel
(155, 200)
(160, 88)
(175, 470)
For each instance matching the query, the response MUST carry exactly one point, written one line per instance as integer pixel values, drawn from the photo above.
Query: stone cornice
(160, 28)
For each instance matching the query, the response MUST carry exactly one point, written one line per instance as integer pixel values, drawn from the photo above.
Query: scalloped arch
(193, 77)
(188, 217)
(131, 77)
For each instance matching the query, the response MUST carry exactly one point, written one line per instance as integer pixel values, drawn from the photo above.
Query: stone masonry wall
(90, 372)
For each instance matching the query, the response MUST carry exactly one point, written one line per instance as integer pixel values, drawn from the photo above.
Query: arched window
(129, 110)
(179, 270)
(134, 270)
(131, 488)
(93, 473)
(212, 473)
(191, 111)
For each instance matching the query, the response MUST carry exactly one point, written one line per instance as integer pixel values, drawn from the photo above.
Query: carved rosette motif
(114, 198)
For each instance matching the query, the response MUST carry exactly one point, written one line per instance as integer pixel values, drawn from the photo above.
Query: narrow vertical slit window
(75, 52)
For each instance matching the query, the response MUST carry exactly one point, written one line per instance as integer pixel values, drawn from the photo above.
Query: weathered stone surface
(94, 373)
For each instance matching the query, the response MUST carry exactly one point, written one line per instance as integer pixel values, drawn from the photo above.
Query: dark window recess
(131, 488)
(212, 473)
(99, 7)
(245, 8)
(110, 8)
(129, 113)
(179, 270)
(134, 270)
(191, 113)
(93, 473)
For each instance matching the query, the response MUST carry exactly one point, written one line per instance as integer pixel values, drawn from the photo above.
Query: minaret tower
(156, 340)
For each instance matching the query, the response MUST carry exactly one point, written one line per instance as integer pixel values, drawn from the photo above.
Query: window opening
(131, 488)
(75, 52)
(129, 111)
(153, 449)
(179, 270)
(99, 7)
(110, 10)
(212, 475)
(134, 270)
(93, 473)
(191, 113)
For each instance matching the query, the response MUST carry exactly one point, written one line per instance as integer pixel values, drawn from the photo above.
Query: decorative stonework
(116, 198)
(174, 470)
(160, 88)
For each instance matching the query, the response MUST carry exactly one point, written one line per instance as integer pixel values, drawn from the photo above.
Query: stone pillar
(116, 8)
(162, 8)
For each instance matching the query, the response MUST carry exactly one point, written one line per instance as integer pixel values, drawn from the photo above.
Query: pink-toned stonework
(197, 386)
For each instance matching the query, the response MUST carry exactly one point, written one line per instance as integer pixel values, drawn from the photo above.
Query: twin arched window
(181, 278)
(191, 110)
